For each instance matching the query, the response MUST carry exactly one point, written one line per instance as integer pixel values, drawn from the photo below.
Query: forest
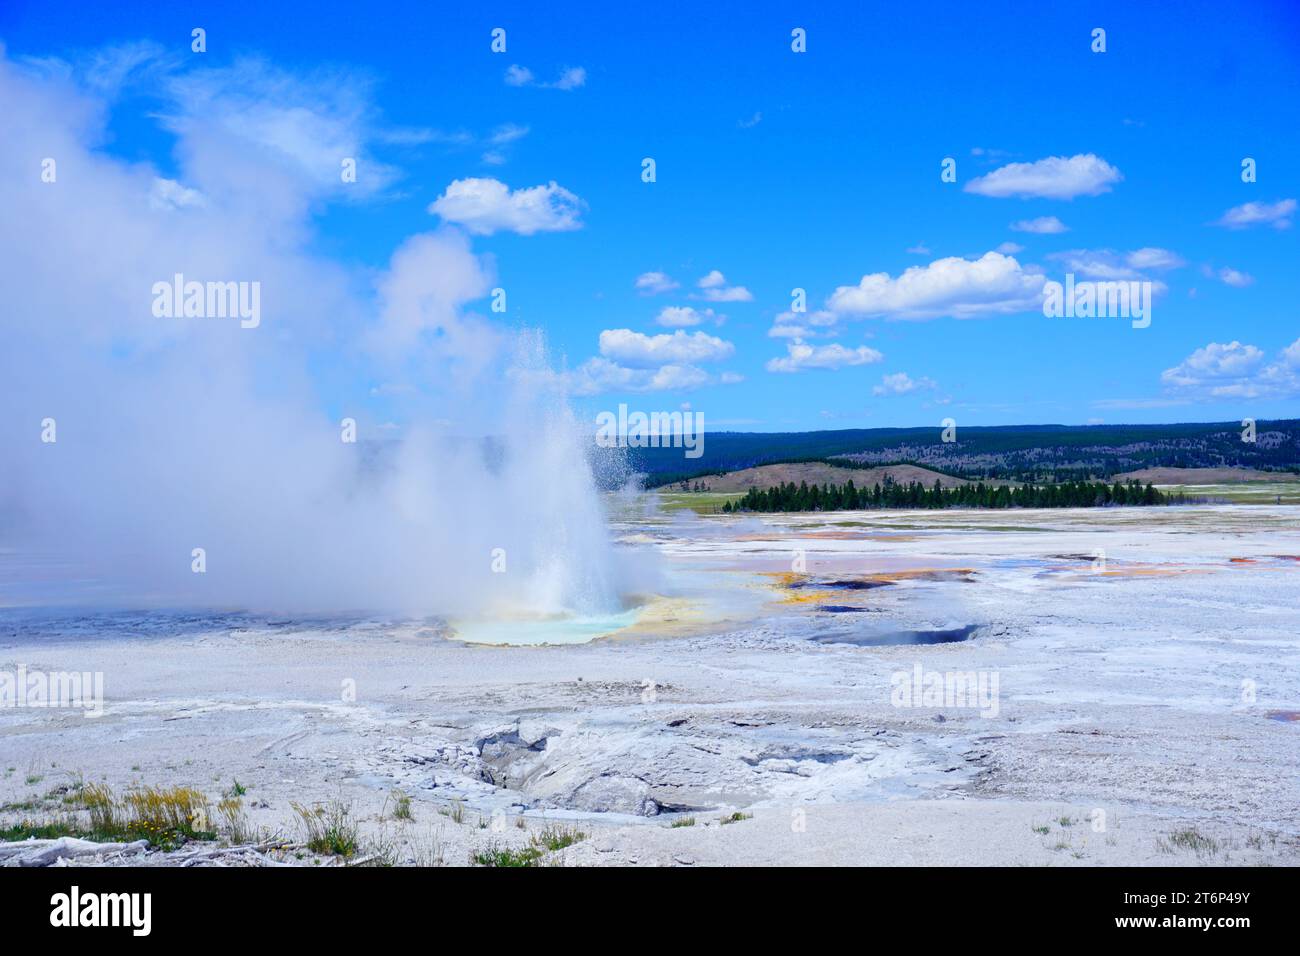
(892, 494)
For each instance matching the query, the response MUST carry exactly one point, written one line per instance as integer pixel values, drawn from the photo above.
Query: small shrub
(329, 829)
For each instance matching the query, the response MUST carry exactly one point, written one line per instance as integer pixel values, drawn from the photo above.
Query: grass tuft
(329, 828)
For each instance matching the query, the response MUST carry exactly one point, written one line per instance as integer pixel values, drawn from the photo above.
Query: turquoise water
(551, 630)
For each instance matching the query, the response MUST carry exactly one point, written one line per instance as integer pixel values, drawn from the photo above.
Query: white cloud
(570, 78)
(517, 75)
(1043, 225)
(293, 131)
(494, 145)
(654, 283)
(1235, 278)
(992, 284)
(751, 122)
(485, 206)
(507, 133)
(900, 383)
(802, 357)
(1056, 177)
(713, 288)
(598, 375)
(639, 350)
(1109, 265)
(1150, 257)
(802, 325)
(684, 316)
(1277, 214)
(1235, 370)
(601, 375)
(920, 249)
(1215, 361)
(1010, 248)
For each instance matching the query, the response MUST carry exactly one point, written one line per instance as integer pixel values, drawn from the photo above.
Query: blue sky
(780, 170)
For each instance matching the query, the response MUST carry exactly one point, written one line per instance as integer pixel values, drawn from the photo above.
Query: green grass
(736, 818)
(548, 841)
(701, 502)
(557, 838)
(166, 817)
(1190, 839)
(1242, 492)
(496, 856)
(683, 822)
(402, 807)
(29, 830)
(329, 828)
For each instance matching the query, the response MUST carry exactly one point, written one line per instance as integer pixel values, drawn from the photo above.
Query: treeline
(1000, 453)
(892, 494)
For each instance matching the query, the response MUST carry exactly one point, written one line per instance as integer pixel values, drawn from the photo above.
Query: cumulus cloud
(1042, 225)
(1235, 370)
(1276, 214)
(639, 350)
(485, 206)
(1056, 177)
(802, 357)
(713, 288)
(598, 375)
(900, 383)
(993, 284)
(654, 283)
(685, 316)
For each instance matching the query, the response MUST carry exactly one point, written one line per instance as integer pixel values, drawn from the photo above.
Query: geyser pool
(536, 631)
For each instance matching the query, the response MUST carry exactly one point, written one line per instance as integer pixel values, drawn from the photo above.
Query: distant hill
(1010, 452)
(1198, 476)
(822, 473)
